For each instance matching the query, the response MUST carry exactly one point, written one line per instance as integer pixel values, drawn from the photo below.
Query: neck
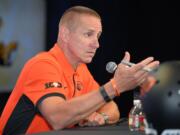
(68, 55)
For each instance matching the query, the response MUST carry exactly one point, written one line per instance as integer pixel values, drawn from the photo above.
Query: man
(55, 89)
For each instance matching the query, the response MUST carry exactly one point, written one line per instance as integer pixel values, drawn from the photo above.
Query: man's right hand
(127, 78)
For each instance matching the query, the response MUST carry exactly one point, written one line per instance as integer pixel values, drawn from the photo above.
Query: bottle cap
(136, 101)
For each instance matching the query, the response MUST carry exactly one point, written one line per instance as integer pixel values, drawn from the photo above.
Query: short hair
(72, 13)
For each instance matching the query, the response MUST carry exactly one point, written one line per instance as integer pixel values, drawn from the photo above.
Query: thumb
(126, 56)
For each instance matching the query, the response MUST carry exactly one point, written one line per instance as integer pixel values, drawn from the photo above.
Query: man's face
(83, 39)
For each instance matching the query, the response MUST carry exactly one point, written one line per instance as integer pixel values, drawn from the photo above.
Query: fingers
(142, 64)
(141, 75)
(153, 65)
(126, 56)
(82, 123)
(147, 65)
(129, 77)
(95, 119)
(142, 78)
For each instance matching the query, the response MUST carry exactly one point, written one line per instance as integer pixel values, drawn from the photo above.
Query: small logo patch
(53, 85)
(79, 85)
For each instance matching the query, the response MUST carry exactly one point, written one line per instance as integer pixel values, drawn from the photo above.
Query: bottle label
(141, 120)
(131, 120)
(136, 122)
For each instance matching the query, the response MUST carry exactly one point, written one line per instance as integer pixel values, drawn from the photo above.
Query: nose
(95, 44)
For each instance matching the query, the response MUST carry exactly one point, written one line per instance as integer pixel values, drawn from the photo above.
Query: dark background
(144, 28)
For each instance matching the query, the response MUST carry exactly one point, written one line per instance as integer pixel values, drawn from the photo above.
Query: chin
(87, 61)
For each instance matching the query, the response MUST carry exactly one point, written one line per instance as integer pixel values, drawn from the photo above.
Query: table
(121, 128)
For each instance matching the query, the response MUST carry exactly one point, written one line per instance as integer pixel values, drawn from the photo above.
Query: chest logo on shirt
(53, 85)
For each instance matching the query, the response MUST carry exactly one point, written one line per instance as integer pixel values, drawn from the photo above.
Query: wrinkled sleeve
(44, 80)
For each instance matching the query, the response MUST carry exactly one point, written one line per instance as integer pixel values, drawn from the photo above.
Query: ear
(64, 33)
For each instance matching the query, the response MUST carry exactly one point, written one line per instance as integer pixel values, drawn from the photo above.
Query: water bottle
(136, 117)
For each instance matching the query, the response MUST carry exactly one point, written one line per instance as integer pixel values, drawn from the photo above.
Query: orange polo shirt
(46, 74)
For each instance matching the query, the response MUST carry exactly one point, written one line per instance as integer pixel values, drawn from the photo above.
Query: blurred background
(144, 28)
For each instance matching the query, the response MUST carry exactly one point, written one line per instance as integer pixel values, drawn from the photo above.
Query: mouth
(91, 53)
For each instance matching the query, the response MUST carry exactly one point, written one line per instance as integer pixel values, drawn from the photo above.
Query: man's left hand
(95, 119)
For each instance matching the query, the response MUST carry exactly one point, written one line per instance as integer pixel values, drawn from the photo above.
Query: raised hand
(127, 78)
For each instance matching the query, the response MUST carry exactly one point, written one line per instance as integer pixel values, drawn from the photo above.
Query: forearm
(72, 111)
(85, 105)
(107, 114)
(88, 104)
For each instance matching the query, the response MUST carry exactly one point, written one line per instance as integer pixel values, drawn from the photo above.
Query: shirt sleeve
(43, 80)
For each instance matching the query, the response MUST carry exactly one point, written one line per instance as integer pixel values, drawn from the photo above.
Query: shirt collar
(57, 52)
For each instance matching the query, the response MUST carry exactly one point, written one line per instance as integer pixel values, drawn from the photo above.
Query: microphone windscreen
(111, 66)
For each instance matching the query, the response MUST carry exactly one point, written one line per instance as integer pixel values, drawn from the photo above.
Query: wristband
(104, 94)
(114, 87)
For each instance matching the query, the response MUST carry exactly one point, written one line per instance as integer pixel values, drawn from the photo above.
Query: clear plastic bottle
(136, 117)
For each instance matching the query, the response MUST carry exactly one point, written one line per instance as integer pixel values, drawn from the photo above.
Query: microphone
(111, 67)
